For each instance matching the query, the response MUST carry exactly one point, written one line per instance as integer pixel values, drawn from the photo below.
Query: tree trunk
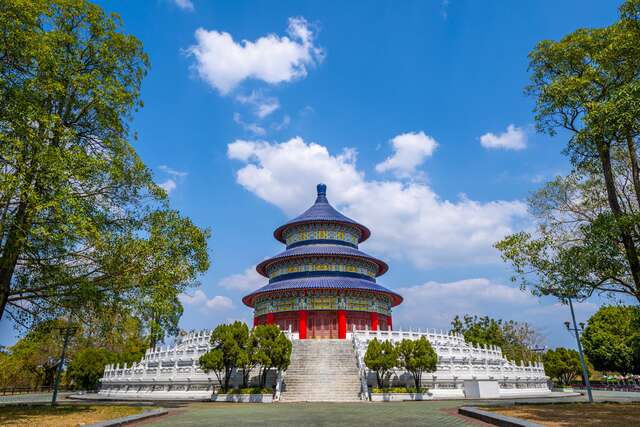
(635, 171)
(11, 252)
(627, 239)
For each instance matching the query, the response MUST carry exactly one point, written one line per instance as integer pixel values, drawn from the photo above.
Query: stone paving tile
(316, 414)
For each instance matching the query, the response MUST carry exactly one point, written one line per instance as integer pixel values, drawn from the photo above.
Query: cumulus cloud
(483, 297)
(224, 63)
(185, 5)
(410, 150)
(248, 280)
(200, 300)
(169, 185)
(513, 139)
(409, 220)
(262, 105)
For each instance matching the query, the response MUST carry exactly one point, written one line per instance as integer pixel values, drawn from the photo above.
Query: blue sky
(412, 112)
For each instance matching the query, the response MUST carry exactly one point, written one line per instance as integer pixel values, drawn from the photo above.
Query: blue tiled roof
(322, 211)
(323, 283)
(335, 250)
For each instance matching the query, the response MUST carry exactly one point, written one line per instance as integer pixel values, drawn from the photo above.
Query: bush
(399, 390)
(251, 390)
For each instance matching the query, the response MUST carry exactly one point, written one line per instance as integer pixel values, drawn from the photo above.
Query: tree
(417, 356)
(82, 224)
(34, 359)
(380, 357)
(87, 367)
(516, 340)
(227, 343)
(273, 350)
(610, 337)
(562, 364)
(587, 85)
(213, 361)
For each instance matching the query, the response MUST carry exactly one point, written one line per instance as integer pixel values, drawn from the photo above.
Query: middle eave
(321, 250)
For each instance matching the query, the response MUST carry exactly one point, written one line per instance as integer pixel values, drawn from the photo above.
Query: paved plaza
(433, 413)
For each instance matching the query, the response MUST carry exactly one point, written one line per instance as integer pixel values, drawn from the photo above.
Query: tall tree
(518, 341)
(82, 225)
(587, 85)
(610, 338)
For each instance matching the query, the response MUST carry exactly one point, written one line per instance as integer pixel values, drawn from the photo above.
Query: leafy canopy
(562, 364)
(83, 227)
(611, 339)
(417, 357)
(381, 357)
(586, 85)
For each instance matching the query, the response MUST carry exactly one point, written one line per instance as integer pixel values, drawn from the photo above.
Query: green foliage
(517, 340)
(251, 390)
(416, 356)
(587, 84)
(562, 364)
(234, 346)
(83, 227)
(273, 350)
(87, 366)
(399, 390)
(611, 338)
(213, 361)
(381, 357)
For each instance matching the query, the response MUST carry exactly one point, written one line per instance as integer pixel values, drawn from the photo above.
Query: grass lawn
(575, 414)
(63, 415)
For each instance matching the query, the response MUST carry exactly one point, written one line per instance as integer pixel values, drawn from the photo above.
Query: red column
(390, 322)
(374, 321)
(255, 321)
(302, 324)
(271, 319)
(342, 324)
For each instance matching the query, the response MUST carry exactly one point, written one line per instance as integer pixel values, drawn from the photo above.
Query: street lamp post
(576, 330)
(56, 383)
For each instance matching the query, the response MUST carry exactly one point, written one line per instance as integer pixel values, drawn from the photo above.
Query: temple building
(322, 285)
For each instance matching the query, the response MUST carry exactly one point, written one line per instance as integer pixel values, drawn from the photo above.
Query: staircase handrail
(279, 383)
(364, 388)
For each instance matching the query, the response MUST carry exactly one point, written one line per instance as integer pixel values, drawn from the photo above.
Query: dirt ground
(575, 414)
(63, 415)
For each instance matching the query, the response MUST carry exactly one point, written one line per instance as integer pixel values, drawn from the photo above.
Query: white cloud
(262, 105)
(484, 297)
(410, 150)
(169, 185)
(173, 172)
(513, 139)
(250, 127)
(224, 63)
(200, 300)
(408, 220)
(248, 280)
(286, 120)
(185, 5)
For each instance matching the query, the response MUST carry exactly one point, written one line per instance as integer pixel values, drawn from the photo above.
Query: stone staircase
(322, 371)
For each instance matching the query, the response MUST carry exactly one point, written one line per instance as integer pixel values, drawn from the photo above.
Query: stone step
(322, 371)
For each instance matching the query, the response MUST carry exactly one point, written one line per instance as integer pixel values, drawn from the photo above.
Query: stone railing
(458, 360)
